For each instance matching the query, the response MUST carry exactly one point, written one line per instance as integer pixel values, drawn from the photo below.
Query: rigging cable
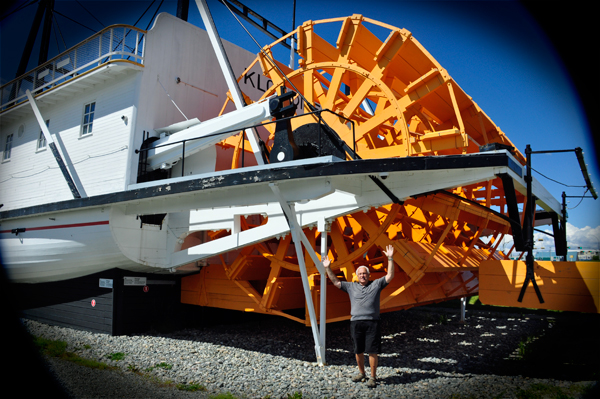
(22, 6)
(555, 181)
(136, 22)
(55, 36)
(283, 75)
(88, 156)
(155, 12)
(144, 13)
(93, 16)
(60, 33)
(581, 200)
(72, 20)
(168, 95)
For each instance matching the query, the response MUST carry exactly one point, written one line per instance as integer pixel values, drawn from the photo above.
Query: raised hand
(389, 251)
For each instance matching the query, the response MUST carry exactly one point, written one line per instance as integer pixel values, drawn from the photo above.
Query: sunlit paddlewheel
(387, 99)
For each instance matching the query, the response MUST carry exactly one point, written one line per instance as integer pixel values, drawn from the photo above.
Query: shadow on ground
(421, 342)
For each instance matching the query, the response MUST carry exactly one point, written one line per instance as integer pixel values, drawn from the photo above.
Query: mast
(183, 7)
(232, 83)
(45, 44)
(35, 25)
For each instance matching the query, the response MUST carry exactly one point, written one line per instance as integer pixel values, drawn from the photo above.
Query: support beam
(52, 145)
(461, 125)
(299, 237)
(305, 285)
(35, 26)
(183, 7)
(323, 300)
(46, 30)
(260, 23)
(449, 225)
(513, 211)
(232, 84)
(528, 223)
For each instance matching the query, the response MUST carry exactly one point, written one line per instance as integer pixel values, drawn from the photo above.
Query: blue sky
(497, 51)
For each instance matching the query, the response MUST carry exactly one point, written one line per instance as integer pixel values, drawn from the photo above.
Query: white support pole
(39, 117)
(323, 298)
(68, 170)
(297, 235)
(304, 275)
(463, 305)
(232, 84)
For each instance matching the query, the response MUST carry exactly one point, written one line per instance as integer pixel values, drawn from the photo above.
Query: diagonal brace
(299, 238)
(53, 148)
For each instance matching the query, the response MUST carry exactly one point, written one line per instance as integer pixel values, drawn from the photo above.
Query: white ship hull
(62, 246)
(132, 86)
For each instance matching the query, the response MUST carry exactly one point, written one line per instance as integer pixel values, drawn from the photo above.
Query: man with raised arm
(364, 323)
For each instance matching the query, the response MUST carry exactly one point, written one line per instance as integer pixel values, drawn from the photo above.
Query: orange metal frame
(403, 104)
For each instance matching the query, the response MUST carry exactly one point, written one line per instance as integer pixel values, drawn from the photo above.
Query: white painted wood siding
(32, 177)
(105, 161)
(177, 49)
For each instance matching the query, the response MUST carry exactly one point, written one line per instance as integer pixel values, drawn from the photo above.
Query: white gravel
(428, 354)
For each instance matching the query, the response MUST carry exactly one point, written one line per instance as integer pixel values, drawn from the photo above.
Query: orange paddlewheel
(388, 98)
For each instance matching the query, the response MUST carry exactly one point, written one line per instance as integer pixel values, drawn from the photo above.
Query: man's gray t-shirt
(364, 300)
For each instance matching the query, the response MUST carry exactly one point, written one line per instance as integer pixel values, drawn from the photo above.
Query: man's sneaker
(372, 383)
(358, 377)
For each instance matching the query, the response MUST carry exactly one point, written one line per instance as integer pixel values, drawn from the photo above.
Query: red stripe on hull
(61, 226)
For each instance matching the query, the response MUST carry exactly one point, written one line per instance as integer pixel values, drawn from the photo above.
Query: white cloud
(587, 238)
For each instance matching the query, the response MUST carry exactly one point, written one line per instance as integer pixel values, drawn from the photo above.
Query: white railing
(114, 43)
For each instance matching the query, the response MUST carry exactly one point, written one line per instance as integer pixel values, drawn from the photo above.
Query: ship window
(7, 147)
(88, 118)
(41, 142)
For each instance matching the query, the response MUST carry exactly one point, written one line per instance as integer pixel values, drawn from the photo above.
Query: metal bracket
(530, 276)
(284, 147)
(18, 230)
(528, 232)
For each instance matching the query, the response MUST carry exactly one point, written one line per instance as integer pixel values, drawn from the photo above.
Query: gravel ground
(429, 353)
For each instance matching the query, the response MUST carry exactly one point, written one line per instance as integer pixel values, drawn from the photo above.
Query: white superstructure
(129, 97)
(99, 100)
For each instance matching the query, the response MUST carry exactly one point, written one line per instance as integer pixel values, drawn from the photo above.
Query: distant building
(581, 254)
(572, 255)
(588, 254)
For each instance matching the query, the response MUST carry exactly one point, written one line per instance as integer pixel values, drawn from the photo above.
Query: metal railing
(114, 43)
(351, 152)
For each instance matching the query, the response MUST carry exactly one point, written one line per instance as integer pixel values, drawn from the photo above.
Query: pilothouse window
(88, 118)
